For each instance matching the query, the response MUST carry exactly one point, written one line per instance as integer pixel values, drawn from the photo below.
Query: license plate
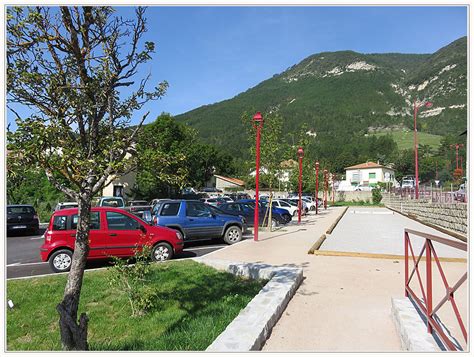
(19, 227)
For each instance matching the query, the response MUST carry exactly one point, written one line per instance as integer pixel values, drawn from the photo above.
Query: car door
(201, 223)
(123, 233)
(98, 237)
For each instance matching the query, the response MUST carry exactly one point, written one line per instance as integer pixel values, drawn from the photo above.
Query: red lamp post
(415, 111)
(457, 146)
(325, 189)
(317, 185)
(257, 124)
(300, 154)
(333, 177)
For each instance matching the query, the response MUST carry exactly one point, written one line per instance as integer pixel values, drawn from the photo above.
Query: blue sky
(208, 54)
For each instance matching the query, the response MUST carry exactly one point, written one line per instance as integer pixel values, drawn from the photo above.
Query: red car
(113, 232)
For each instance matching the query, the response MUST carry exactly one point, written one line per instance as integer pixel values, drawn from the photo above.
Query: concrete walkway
(382, 233)
(343, 303)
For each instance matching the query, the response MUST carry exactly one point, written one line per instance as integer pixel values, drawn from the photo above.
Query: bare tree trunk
(270, 210)
(73, 332)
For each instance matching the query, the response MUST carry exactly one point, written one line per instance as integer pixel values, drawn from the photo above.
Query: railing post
(429, 286)
(406, 264)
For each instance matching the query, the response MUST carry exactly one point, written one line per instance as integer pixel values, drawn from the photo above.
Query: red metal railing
(425, 305)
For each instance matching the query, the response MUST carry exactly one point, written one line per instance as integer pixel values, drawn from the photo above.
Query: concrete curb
(331, 228)
(251, 328)
(317, 245)
(410, 327)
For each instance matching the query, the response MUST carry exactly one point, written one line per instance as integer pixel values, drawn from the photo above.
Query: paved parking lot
(23, 258)
(380, 231)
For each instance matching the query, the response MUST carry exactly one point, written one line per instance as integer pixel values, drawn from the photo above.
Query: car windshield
(138, 203)
(20, 210)
(112, 202)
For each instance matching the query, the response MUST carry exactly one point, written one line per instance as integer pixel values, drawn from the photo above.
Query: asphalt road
(23, 258)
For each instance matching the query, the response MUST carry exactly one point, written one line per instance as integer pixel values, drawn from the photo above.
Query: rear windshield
(170, 209)
(20, 210)
(112, 202)
(138, 203)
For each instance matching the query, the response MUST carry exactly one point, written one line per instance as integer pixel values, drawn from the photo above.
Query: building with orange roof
(368, 174)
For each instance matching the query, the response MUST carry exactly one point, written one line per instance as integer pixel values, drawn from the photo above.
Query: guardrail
(425, 304)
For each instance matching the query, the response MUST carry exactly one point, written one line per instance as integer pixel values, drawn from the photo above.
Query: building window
(371, 175)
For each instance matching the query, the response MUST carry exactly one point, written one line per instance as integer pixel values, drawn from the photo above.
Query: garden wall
(452, 216)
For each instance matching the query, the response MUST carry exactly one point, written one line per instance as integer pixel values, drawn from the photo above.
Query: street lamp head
(317, 164)
(300, 152)
(257, 119)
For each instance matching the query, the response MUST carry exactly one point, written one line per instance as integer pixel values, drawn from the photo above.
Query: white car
(310, 203)
(63, 205)
(292, 209)
(294, 202)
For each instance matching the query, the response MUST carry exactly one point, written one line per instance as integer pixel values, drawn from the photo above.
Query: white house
(368, 174)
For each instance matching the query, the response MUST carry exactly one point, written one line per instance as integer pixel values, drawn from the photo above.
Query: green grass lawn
(404, 139)
(196, 304)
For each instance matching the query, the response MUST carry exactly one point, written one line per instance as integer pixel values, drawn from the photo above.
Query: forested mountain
(339, 97)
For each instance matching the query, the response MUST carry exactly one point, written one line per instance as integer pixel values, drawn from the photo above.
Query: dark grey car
(22, 218)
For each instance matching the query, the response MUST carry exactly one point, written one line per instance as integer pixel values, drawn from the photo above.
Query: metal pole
(406, 263)
(257, 175)
(317, 186)
(332, 188)
(299, 188)
(416, 151)
(429, 287)
(325, 189)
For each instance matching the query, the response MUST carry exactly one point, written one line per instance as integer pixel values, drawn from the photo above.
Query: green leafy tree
(170, 155)
(69, 64)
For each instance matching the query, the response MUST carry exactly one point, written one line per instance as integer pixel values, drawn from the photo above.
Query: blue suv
(196, 221)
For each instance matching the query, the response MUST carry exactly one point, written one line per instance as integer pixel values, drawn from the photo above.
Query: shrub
(376, 195)
(132, 279)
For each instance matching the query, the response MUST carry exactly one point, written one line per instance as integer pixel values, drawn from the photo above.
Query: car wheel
(274, 223)
(313, 208)
(287, 217)
(161, 252)
(233, 235)
(60, 261)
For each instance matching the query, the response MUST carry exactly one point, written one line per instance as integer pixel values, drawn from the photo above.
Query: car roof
(20, 205)
(93, 209)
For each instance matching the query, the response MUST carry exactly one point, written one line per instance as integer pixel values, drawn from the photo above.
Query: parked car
(275, 210)
(219, 210)
(113, 232)
(227, 199)
(22, 218)
(63, 205)
(294, 201)
(360, 187)
(247, 210)
(138, 207)
(290, 207)
(216, 202)
(460, 195)
(109, 201)
(239, 196)
(156, 200)
(196, 221)
(310, 203)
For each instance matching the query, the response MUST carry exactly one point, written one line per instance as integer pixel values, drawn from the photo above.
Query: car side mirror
(142, 228)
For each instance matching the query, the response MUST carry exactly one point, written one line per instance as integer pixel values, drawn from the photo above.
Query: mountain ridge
(347, 92)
